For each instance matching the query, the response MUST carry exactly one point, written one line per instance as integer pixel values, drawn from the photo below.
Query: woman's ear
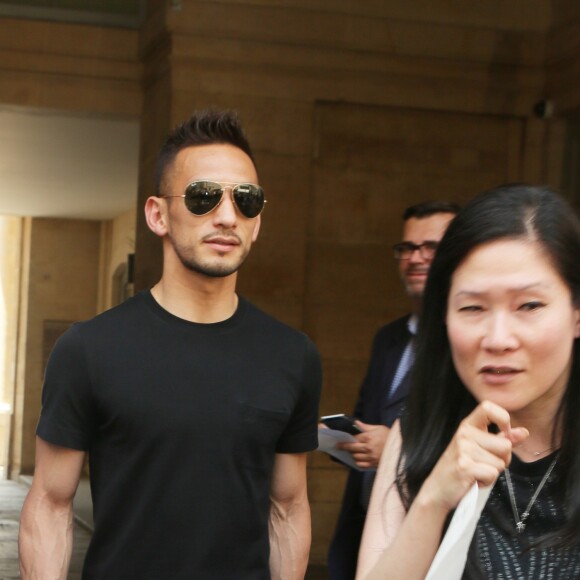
(156, 215)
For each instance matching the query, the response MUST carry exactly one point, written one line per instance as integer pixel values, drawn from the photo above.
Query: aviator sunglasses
(203, 196)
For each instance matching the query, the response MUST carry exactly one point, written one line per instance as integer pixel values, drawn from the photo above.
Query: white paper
(449, 562)
(327, 440)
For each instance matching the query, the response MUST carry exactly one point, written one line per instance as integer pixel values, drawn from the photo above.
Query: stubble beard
(414, 289)
(414, 292)
(211, 269)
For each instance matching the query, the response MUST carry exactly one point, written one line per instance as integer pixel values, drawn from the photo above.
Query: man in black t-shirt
(196, 409)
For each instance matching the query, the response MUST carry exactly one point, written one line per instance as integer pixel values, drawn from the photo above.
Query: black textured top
(505, 553)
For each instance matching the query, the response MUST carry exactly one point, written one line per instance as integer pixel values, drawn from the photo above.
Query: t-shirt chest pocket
(257, 434)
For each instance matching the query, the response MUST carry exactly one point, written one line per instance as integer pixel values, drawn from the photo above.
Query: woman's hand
(474, 455)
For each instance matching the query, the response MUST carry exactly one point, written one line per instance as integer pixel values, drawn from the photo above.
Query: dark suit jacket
(374, 407)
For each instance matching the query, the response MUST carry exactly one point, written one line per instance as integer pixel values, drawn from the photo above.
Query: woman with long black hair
(495, 399)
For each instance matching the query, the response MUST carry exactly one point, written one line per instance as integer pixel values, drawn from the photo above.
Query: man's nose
(226, 213)
(416, 255)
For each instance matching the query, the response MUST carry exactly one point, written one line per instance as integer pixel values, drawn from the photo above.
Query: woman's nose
(499, 333)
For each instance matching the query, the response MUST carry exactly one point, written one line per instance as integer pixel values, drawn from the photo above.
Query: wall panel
(370, 163)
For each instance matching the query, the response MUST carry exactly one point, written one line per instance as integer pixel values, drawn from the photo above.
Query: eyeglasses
(202, 197)
(404, 250)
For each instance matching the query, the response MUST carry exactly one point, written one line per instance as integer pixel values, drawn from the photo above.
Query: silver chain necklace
(521, 521)
(536, 453)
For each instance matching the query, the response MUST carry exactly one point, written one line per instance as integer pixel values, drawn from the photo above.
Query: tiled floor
(12, 496)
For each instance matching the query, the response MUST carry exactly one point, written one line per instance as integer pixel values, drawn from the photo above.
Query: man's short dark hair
(428, 208)
(206, 127)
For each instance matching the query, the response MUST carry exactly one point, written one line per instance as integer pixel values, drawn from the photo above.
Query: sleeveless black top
(503, 552)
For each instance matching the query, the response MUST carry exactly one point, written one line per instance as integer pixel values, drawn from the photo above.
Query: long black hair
(438, 400)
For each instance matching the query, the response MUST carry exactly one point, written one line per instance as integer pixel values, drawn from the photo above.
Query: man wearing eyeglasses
(195, 407)
(384, 389)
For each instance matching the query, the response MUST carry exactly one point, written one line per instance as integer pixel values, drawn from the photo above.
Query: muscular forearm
(45, 539)
(289, 540)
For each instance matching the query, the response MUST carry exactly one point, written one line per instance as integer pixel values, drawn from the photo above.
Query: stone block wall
(59, 286)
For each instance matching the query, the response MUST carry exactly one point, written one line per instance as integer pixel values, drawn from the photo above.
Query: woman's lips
(499, 374)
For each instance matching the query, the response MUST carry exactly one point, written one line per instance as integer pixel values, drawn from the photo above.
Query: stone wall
(69, 67)
(59, 286)
(10, 242)
(117, 243)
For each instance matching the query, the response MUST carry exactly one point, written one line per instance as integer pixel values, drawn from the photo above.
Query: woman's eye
(532, 305)
(470, 308)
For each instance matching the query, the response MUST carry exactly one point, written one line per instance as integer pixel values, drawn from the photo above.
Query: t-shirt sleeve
(66, 416)
(301, 434)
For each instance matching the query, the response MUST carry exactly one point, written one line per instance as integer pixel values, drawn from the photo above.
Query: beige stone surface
(61, 259)
(515, 14)
(69, 67)
(10, 259)
(323, 520)
(117, 242)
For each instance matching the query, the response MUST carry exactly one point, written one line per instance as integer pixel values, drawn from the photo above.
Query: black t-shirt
(181, 422)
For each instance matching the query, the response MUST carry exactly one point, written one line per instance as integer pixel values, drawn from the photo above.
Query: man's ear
(256, 228)
(156, 215)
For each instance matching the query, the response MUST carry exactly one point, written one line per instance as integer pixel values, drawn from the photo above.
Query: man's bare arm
(46, 522)
(290, 532)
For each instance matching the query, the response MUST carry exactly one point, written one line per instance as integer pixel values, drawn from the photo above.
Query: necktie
(405, 365)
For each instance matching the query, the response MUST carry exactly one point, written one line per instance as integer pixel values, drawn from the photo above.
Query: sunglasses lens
(202, 196)
(249, 199)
